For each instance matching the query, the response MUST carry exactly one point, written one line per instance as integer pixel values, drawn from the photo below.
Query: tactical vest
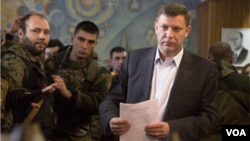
(36, 81)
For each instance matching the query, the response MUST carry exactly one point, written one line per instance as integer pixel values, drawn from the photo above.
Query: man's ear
(188, 29)
(20, 33)
(110, 60)
(156, 27)
(231, 60)
(72, 38)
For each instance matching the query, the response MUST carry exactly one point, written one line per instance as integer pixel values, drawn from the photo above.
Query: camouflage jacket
(14, 71)
(6, 116)
(89, 82)
(18, 70)
(7, 45)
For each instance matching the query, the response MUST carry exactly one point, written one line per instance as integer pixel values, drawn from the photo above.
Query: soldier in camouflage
(82, 83)
(6, 114)
(25, 64)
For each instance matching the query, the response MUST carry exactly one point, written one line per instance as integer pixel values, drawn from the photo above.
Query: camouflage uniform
(6, 114)
(89, 82)
(25, 87)
(11, 65)
(7, 84)
(15, 65)
(7, 44)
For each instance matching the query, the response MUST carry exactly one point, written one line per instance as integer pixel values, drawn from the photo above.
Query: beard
(31, 46)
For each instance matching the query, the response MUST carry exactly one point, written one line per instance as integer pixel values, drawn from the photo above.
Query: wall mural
(127, 23)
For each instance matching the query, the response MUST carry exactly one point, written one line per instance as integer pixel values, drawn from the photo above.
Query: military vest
(37, 80)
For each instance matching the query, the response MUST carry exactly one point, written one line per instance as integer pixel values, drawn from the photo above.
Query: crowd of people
(69, 96)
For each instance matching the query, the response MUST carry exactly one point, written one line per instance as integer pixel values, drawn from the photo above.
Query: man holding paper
(185, 84)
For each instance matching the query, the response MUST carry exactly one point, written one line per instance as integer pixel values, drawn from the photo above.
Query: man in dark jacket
(117, 55)
(233, 90)
(240, 53)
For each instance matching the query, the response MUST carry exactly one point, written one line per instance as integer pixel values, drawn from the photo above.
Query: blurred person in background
(246, 70)
(52, 48)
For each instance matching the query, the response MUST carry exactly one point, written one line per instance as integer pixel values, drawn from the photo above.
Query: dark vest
(36, 81)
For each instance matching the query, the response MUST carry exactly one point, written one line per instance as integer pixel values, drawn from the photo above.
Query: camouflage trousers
(6, 121)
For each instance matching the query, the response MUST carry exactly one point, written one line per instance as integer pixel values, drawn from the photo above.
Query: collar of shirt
(176, 59)
(238, 51)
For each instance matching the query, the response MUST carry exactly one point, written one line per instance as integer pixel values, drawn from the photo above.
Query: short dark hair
(220, 51)
(241, 35)
(87, 26)
(235, 32)
(174, 9)
(116, 49)
(54, 42)
(23, 24)
(244, 68)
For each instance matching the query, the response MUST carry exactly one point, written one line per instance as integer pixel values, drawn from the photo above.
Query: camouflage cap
(2, 33)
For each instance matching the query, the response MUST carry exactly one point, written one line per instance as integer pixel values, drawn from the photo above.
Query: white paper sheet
(139, 116)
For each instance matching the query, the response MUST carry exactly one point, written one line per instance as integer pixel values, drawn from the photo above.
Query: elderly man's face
(235, 41)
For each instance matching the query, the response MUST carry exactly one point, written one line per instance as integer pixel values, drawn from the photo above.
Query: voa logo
(236, 132)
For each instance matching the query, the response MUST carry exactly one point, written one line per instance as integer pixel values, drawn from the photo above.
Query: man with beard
(29, 89)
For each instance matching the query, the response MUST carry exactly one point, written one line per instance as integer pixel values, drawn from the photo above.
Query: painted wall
(127, 23)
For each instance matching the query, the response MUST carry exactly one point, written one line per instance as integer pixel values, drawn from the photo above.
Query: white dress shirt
(163, 79)
(237, 52)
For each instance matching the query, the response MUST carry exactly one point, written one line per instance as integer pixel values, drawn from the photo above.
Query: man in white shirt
(185, 84)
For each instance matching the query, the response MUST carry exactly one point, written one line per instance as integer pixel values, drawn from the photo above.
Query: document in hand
(139, 116)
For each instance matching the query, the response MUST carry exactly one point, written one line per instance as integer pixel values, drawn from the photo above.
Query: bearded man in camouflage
(25, 64)
(83, 84)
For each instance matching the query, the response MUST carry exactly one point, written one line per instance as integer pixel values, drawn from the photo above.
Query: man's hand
(49, 89)
(34, 105)
(60, 85)
(119, 126)
(15, 25)
(158, 130)
(3, 40)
